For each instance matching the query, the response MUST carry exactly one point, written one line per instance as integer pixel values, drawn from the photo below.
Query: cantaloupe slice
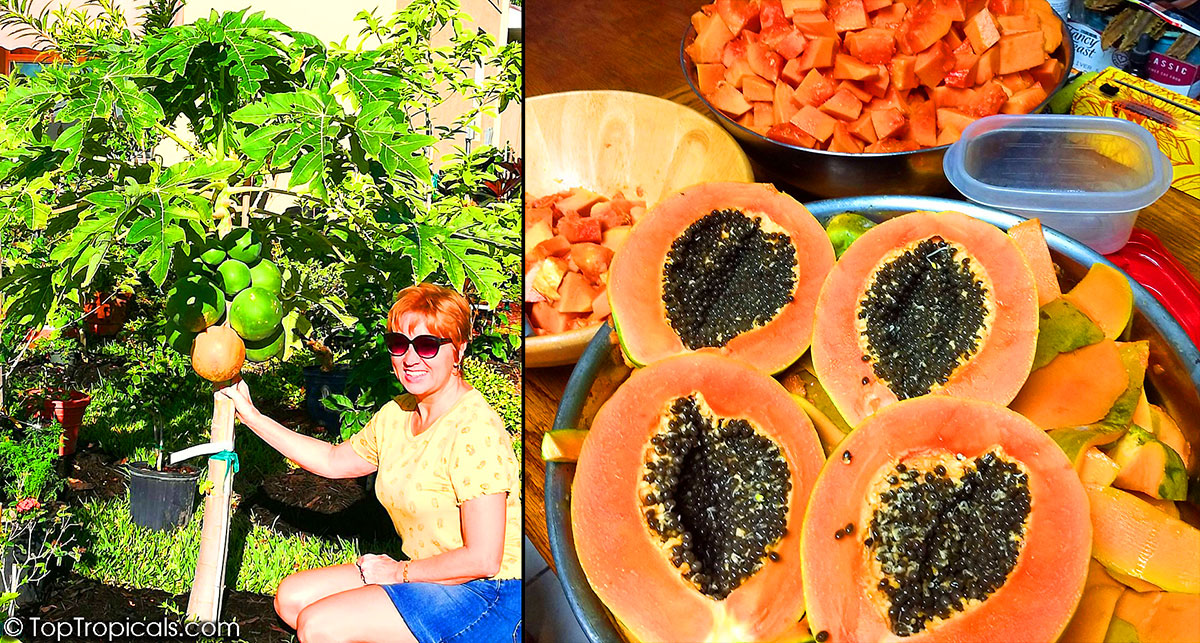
(1075, 388)
(1100, 594)
(1155, 617)
(1029, 238)
(1062, 328)
(1104, 295)
(1149, 466)
(1131, 537)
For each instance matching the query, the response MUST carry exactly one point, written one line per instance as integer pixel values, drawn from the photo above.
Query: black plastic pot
(161, 500)
(318, 385)
(28, 593)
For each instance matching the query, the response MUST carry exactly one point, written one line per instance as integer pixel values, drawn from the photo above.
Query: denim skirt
(479, 611)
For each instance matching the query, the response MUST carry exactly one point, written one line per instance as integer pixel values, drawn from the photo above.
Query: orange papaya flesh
(842, 576)
(648, 277)
(1132, 537)
(1075, 441)
(1104, 295)
(863, 375)
(1141, 414)
(1053, 396)
(1063, 328)
(1091, 619)
(1167, 430)
(1135, 584)
(1029, 238)
(1096, 468)
(611, 501)
(1155, 617)
(1149, 466)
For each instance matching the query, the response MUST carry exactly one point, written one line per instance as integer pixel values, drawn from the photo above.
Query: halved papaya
(925, 303)
(689, 491)
(728, 267)
(945, 520)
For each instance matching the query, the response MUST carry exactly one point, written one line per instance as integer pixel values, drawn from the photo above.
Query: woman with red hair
(448, 479)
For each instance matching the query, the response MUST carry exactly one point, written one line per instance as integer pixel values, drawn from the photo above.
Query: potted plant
(36, 531)
(161, 496)
(61, 399)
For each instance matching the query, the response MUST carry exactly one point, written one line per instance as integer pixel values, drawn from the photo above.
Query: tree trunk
(204, 604)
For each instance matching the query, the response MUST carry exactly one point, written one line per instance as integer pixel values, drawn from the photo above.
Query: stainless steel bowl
(838, 174)
(1174, 374)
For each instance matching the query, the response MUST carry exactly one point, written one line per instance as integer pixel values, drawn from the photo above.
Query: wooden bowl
(613, 141)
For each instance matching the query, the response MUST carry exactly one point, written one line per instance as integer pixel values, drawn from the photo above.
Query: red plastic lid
(1154, 267)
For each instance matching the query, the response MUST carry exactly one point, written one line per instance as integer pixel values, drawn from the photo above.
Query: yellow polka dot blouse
(423, 479)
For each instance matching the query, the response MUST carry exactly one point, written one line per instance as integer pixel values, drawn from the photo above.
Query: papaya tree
(209, 157)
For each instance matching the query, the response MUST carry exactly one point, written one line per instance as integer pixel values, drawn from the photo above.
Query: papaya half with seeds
(945, 520)
(732, 268)
(687, 502)
(925, 303)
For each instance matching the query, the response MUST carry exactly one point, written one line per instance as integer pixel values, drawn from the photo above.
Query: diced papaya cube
(818, 52)
(771, 14)
(948, 136)
(927, 25)
(1048, 73)
(783, 105)
(951, 118)
(848, 15)
(747, 120)
(814, 89)
(577, 201)
(1018, 24)
(861, 94)
(922, 124)
(814, 122)
(848, 67)
(952, 97)
(844, 105)
(887, 122)
(931, 66)
(790, 7)
(763, 61)
(535, 235)
(533, 215)
(899, 99)
(728, 99)
(734, 50)
(1021, 51)
(988, 99)
(873, 46)
(738, 14)
(982, 31)
(814, 24)
(575, 294)
(877, 85)
(875, 5)
(699, 19)
(889, 16)
(786, 41)
(710, 41)
(843, 141)
(545, 319)
(1013, 82)
(1001, 7)
(764, 115)
(790, 134)
(890, 145)
(904, 72)
(758, 89)
(959, 78)
(1051, 26)
(575, 229)
(791, 72)
(956, 10)
(607, 216)
(737, 73)
(600, 307)
(592, 259)
(614, 238)
(953, 40)
(864, 129)
(707, 74)
(1024, 101)
(985, 67)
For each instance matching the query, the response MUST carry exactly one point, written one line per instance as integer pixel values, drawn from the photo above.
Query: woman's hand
(239, 392)
(380, 569)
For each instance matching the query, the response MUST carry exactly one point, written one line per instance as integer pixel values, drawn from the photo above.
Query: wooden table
(623, 44)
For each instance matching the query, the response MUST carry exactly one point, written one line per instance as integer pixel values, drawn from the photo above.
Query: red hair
(446, 312)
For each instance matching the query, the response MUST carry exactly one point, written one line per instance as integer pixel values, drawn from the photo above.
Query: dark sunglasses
(426, 345)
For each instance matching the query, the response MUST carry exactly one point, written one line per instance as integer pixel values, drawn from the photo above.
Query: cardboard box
(1173, 119)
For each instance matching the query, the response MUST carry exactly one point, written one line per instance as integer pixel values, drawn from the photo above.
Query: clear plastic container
(1085, 176)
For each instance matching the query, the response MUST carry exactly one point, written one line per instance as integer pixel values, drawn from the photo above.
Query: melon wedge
(1132, 537)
